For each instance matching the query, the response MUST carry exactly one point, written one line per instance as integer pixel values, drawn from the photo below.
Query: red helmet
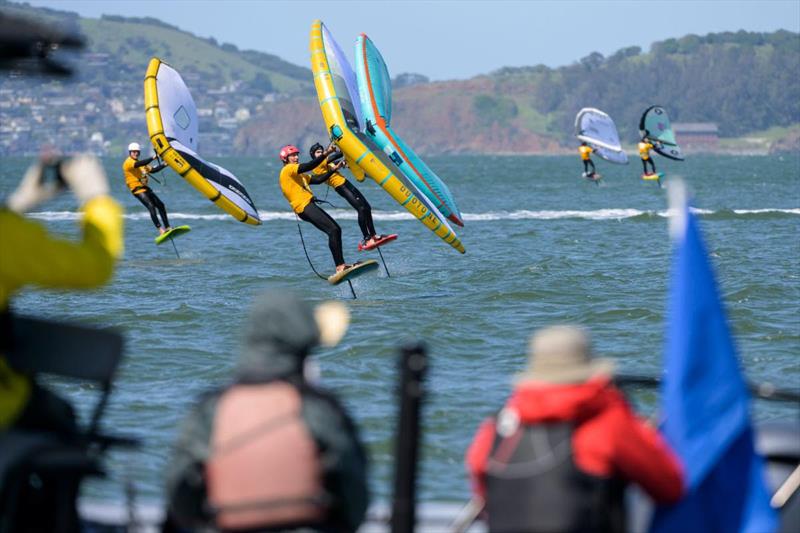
(288, 150)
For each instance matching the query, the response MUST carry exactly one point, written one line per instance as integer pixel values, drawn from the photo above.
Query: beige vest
(264, 467)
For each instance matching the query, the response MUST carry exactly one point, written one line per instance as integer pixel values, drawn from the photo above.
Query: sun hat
(563, 354)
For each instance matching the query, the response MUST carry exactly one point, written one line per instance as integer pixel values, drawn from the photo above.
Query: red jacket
(609, 439)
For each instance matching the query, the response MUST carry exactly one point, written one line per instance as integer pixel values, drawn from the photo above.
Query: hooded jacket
(33, 256)
(609, 440)
(280, 333)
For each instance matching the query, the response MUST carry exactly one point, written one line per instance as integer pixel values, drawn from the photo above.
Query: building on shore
(697, 136)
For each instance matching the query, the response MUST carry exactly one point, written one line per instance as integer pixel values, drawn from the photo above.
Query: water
(543, 247)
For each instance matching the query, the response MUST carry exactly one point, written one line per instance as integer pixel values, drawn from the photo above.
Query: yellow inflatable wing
(173, 127)
(334, 81)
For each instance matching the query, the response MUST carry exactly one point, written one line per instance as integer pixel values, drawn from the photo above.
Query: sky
(453, 39)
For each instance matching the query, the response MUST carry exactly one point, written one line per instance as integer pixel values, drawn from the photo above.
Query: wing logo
(182, 118)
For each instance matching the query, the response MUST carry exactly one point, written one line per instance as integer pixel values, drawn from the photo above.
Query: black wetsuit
(149, 199)
(586, 163)
(353, 196)
(324, 222)
(648, 160)
(315, 215)
(349, 192)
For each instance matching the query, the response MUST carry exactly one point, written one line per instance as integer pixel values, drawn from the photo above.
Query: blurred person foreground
(557, 457)
(35, 422)
(44, 452)
(272, 450)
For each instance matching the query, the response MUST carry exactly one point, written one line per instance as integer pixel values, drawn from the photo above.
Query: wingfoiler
(338, 98)
(174, 131)
(598, 130)
(655, 126)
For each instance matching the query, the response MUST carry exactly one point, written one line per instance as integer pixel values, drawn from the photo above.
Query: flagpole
(786, 490)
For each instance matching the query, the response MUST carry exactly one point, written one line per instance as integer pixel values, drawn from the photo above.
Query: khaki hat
(562, 354)
(332, 320)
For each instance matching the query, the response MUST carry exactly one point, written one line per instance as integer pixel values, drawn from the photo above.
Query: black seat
(40, 470)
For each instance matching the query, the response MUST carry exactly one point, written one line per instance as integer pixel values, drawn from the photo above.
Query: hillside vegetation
(744, 82)
(254, 102)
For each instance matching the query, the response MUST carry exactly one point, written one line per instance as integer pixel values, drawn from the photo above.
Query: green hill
(253, 102)
(131, 42)
(744, 82)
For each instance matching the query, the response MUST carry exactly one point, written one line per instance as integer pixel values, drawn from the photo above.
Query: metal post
(413, 364)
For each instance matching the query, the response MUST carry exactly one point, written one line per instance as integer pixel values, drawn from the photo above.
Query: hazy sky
(453, 39)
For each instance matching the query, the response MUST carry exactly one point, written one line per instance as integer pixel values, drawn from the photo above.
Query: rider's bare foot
(373, 240)
(161, 231)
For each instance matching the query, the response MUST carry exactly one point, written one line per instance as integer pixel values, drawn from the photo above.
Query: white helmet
(134, 147)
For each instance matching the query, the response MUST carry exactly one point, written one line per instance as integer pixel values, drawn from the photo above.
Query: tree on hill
(742, 81)
(408, 79)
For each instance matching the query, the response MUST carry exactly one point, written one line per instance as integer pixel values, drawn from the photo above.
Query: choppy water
(543, 246)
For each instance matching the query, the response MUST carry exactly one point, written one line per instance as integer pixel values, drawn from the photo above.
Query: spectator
(32, 256)
(558, 455)
(271, 451)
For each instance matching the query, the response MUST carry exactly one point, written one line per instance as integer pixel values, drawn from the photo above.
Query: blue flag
(705, 404)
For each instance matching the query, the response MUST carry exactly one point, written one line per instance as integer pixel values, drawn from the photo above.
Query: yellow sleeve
(42, 259)
(15, 389)
(133, 178)
(322, 168)
(291, 169)
(336, 180)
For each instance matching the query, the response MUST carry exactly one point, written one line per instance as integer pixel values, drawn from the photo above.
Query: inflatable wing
(375, 93)
(655, 125)
(173, 127)
(335, 85)
(598, 130)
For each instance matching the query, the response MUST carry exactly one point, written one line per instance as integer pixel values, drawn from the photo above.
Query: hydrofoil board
(361, 267)
(174, 232)
(380, 242)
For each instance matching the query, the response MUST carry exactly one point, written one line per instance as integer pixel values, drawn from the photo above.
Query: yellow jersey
(644, 150)
(135, 178)
(335, 180)
(32, 256)
(295, 188)
(585, 152)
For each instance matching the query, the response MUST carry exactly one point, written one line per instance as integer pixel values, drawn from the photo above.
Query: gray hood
(279, 334)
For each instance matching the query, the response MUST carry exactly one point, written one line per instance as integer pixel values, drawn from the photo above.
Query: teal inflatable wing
(375, 94)
(655, 125)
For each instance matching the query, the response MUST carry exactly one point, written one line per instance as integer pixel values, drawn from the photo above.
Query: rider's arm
(46, 260)
(316, 179)
(322, 178)
(311, 165)
(143, 162)
(158, 168)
